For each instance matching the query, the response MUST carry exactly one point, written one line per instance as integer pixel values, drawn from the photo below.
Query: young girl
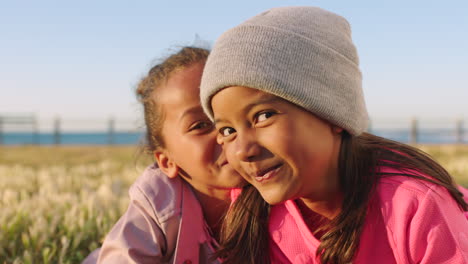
(176, 206)
(284, 89)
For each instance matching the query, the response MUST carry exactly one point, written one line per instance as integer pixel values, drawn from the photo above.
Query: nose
(247, 148)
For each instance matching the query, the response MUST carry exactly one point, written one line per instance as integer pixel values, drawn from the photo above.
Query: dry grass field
(57, 203)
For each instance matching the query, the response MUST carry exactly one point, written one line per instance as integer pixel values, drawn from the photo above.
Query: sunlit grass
(454, 158)
(57, 203)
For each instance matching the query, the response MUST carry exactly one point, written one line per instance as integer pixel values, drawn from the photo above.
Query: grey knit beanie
(304, 55)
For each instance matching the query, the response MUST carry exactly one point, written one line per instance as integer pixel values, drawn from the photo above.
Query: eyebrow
(192, 110)
(265, 99)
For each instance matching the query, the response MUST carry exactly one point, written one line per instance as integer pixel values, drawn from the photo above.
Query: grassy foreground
(57, 203)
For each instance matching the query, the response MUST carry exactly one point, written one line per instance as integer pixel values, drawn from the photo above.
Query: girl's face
(281, 149)
(190, 149)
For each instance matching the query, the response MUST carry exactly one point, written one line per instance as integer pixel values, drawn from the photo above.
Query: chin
(238, 183)
(229, 171)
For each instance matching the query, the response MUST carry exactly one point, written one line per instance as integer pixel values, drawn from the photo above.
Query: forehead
(240, 97)
(241, 91)
(181, 92)
(186, 78)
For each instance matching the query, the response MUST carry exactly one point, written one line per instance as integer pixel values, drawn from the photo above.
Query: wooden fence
(22, 121)
(413, 129)
(30, 124)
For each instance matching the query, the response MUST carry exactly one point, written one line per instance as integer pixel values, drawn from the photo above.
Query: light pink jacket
(409, 221)
(164, 223)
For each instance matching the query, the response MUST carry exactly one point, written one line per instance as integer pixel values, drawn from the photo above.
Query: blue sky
(84, 58)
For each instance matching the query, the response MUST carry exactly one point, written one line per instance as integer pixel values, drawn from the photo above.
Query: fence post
(35, 130)
(459, 131)
(57, 131)
(1, 130)
(111, 131)
(414, 131)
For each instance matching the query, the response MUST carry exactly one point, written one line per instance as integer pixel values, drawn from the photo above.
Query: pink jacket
(409, 221)
(164, 223)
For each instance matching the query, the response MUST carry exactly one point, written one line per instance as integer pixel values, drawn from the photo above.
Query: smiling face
(190, 148)
(281, 149)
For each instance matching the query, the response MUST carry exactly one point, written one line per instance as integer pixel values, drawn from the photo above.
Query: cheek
(191, 151)
(279, 142)
(204, 148)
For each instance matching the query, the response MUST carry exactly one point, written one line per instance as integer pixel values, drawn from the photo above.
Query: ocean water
(429, 136)
(424, 136)
(79, 138)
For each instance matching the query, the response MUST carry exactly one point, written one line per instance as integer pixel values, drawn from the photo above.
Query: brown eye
(226, 131)
(201, 125)
(262, 116)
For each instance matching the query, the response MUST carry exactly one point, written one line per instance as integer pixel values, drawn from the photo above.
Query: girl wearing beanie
(284, 89)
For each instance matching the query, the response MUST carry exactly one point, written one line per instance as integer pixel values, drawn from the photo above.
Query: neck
(214, 204)
(326, 200)
(317, 215)
(327, 209)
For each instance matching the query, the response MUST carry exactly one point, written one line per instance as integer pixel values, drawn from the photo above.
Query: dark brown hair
(359, 160)
(157, 77)
(244, 233)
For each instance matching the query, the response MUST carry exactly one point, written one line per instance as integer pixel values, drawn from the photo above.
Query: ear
(337, 129)
(166, 164)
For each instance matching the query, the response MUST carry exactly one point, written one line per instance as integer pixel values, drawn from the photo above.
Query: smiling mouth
(268, 173)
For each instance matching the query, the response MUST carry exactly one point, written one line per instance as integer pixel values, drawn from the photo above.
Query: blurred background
(68, 69)
(71, 128)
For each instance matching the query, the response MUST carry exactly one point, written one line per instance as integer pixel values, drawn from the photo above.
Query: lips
(222, 163)
(267, 173)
